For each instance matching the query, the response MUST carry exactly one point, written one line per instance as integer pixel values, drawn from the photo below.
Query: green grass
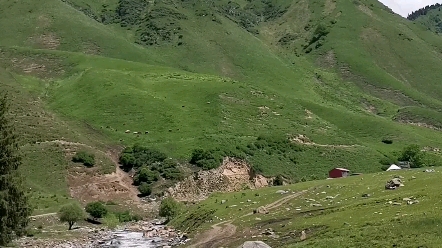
(347, 220)
(343, 73)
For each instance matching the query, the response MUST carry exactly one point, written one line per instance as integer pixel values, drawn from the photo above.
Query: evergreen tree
(14, 205)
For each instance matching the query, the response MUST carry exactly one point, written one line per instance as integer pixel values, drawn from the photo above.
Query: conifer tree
(14, 204)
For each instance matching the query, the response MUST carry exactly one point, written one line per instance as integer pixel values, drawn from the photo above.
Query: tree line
(423, 11)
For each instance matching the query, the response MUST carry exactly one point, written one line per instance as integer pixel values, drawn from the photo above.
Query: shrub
(385, 167)
(169, 208)
(169, 170)
(111, 220)
(414, 155)
(278, 181)
(96, 209)
(88, 159)
(206, 160)
(137, 156)
(126, 216)
(146, 175)
(145, 189)
(71, 214)
(387, 141)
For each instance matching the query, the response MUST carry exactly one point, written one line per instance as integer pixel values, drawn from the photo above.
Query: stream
(129, 239)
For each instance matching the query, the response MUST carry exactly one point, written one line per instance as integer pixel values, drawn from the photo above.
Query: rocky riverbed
(138, 234)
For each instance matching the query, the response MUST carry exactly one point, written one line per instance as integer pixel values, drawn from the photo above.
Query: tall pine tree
(14, 204)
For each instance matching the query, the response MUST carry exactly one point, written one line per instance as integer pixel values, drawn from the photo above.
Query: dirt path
(221, 232)
(216, 235)
(123, 178)
(43, 215)
(283, 200)
(305, 141)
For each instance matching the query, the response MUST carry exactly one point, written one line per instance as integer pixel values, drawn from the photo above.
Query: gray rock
(261, 210)
(254, 244)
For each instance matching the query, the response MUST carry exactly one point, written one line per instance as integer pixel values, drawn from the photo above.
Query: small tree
(169, 208)
(96, 209)
(145, 189)
(414, 155)
(71, 214)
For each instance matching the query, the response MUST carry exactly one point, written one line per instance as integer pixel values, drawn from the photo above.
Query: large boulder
(254, 244)
(394, 183)
(261, 210)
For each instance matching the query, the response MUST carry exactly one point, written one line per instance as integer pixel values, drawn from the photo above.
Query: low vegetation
(96, 209)
(88, 159)
(126, 216)
(170, 208)
(150, 165)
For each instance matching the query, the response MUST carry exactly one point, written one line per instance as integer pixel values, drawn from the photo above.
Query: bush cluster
(150, 165)
(88, 159)
(96, 209)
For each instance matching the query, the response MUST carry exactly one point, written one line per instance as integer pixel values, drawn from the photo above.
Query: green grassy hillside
(240, 77)
(352, 212)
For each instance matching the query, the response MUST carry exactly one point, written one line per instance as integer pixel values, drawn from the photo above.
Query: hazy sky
(405, 7)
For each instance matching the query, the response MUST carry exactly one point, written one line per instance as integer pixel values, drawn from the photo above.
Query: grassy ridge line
(386, 51)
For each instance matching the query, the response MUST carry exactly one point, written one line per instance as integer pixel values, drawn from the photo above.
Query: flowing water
(129, 239)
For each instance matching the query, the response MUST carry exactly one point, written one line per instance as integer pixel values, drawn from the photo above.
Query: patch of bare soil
(309, 114)
(302, 139)
(231, 99)
(46, 41)
(366, 10)
(110, 187)
(330, 6)
(419, 124)
(369, 107)
(43, 21)
(42, 67)
(91, 48)
(232, 175)
(87, 184)
(328, 60)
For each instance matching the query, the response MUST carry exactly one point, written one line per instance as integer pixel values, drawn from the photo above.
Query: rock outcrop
(232, 175)
(254, 244)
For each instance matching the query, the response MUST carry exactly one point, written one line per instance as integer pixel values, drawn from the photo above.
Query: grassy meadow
(177, 76)
(333, 213)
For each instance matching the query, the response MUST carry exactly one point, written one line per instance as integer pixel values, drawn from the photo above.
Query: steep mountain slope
(241, 77)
